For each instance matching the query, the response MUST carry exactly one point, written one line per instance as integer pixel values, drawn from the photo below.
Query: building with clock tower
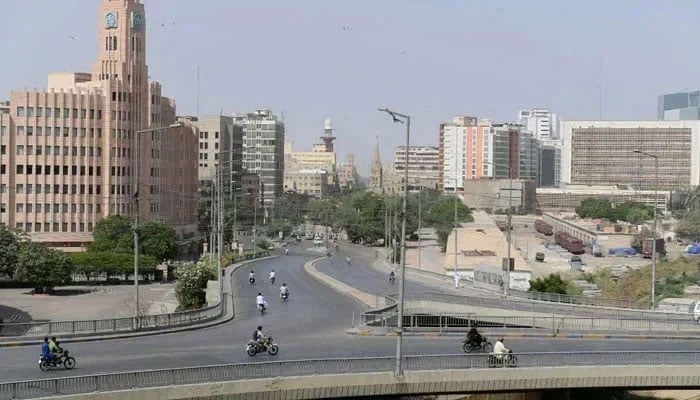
(69, 152)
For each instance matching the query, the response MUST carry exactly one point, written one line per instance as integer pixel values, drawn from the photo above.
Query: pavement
(310, 325)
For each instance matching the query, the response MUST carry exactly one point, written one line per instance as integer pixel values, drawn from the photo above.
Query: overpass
(371, 377)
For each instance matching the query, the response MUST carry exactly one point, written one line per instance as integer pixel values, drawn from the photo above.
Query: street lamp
(401, 118)
(137, 211)
(509, 224)
(653, 246)
(455, 223)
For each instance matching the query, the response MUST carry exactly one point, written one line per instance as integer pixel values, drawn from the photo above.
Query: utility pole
(220, 235)
(420, 191)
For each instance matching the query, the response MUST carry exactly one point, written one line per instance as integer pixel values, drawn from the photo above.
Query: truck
(568, 242)
(647, 247)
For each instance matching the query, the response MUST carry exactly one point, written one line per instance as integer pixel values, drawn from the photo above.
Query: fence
(545, 307)
(118, 325)
(235, 372)
(461, 322)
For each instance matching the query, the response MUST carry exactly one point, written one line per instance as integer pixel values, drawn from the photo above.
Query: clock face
(110, 20)
(138, 21)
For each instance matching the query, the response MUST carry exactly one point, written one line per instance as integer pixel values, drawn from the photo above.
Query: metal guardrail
(237, 372)
(581, 300)
(116, 325)
(414, 321)
(546, 307)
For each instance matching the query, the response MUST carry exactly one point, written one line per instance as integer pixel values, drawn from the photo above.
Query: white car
(318, 241)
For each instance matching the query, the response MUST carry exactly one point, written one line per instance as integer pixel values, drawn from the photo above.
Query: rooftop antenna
(198, 92)
(600, 90)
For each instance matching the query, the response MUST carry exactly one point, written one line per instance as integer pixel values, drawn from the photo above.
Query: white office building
(541, 122)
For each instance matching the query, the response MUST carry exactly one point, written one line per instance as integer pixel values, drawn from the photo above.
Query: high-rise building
(602, 153)
(504, 157)
(549, 173)
(541, 122)
(263, 151)
(70, 152)
(463, 152)
(219, 138)
(423, 166)
(679, 106)
(529, 157)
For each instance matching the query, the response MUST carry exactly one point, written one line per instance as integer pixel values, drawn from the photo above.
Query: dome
(328, 124)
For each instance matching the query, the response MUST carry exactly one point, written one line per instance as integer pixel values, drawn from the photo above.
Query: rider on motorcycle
(499, 349)
(251, 276)
(286, 252)
(260, 301)
(272, 275)
(284, 290)
(347, 259)
(55, 349)
(259, 336)
(391, 276)
(473, 336)
(45, 350)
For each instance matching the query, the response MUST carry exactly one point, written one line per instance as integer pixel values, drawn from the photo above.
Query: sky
(312, 59)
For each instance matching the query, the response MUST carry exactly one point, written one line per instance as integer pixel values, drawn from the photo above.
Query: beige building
(423, 166)
(69, 152)
(318, 158)
(347, 173)
(313, 182)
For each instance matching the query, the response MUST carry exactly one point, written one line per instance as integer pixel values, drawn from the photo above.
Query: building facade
(347, 173)
(313, 182)
(541, 122)
(549, 174)
(423, 166)
(464, 152)
(679, 106)
(602, 153)
(220, 143)
(504, 159)
(263, 151)
(70, 152)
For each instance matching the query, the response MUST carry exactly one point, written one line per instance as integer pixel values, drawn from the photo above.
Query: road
(310, 325)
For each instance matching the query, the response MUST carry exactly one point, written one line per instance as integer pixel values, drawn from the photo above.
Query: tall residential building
(679, 106)
(347, 173)
(69, 152)
(423, 166)
(541, 122)
(220, 137)
(463, 152)
(602, 153)
(263, 151)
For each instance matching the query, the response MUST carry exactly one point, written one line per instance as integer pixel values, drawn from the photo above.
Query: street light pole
(137, 210)
(653, 228)
(401, 118)
(509, 223)
(420, 191)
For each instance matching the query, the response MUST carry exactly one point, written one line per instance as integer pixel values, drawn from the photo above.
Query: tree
(9, 247)
(442, 217)
(42, 267)
(550, 284)
(689, 225)
(594, 208)
(115, 234)
(191, 281)
(92, 264)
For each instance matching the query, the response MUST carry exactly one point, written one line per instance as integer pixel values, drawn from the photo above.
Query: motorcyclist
(392, 276)
(45, 350)
(260, 301)
(500, 350)
(251, 276)
(272, 275)
(473, 336)
(347, 259)
(284, 290)
(259, 337)
(54, 348)
(286, 252)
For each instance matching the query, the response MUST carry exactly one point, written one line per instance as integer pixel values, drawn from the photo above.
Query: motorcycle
(62, 358)
(261, 308)
(503, 360)
(251, 280)
(483, 345)
(254, 347)
(285, 296)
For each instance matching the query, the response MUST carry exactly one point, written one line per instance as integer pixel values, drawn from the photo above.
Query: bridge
(373, 376)
(312, 326)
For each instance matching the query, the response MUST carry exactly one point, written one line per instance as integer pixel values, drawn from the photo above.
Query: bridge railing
(544, 307)
(235, 372)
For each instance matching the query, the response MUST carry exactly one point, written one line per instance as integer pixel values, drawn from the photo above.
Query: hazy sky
(429, 59)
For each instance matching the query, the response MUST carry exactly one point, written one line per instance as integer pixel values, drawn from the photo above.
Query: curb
(592, 336)
(128, 335)
(336, 285)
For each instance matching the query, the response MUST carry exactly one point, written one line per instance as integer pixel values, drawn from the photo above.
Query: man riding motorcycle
(284, 291)
(272, 276)
(500, 350)
(259, 336)
(45, 350)
(260, 302)
(251, 277)
(474, 337)
(392, 276)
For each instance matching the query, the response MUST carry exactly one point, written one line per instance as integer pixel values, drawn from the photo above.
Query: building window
(20, 169)
(20, 150)
(20, 131)
(20, 111)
